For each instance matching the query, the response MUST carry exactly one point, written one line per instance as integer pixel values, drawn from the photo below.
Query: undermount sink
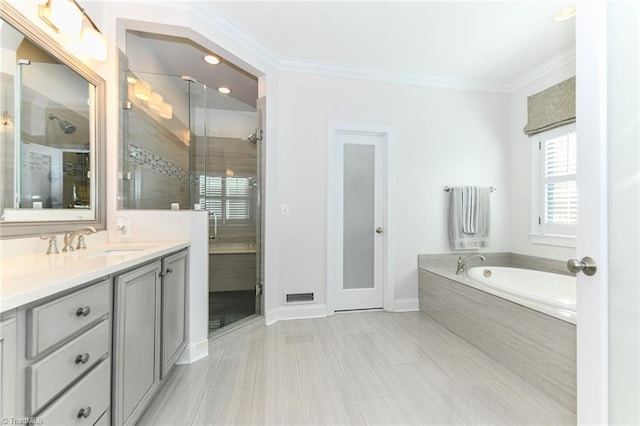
(115, 251)
(118, 252)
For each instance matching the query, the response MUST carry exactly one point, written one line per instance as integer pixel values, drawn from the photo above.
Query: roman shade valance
(553, 107)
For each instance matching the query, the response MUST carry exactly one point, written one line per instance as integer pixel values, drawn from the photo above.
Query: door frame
(334, 202)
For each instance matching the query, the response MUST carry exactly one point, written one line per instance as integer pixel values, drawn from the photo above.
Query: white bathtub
(553, 294)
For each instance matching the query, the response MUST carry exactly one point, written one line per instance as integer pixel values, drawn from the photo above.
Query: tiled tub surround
(537, 347)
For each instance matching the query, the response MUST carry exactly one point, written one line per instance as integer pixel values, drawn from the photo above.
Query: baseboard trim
(296, 312)
(194, 351)
(407, 305)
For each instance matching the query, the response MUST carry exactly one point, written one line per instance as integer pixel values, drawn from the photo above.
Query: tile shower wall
(158, 162)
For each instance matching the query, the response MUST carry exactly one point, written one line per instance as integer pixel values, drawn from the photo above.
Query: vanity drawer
(104, 420)
(85, 402)
(52, 322)
(47, 377)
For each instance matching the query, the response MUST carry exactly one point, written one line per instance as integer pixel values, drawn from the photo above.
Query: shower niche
(187, 145)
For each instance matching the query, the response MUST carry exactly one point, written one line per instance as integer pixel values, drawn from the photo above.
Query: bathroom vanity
(75, 324)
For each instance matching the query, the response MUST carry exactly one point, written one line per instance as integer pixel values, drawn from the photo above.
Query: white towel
(460, 240)
(469, 209)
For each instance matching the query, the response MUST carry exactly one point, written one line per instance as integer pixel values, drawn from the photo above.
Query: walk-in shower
(199, 158)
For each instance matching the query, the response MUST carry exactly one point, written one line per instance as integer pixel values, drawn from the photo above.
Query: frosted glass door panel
(359, 209)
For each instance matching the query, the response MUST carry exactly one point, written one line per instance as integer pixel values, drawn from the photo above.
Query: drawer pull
(82, 359)
(84, 412)
(83, 311)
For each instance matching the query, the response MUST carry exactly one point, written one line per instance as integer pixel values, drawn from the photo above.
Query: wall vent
(299, 298)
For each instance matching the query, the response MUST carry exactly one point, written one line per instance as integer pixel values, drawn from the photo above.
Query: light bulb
(142, 90)
(155, 101)
(94, 44)
(166, 111)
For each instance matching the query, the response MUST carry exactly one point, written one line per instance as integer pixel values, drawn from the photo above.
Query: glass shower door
(228, 190)
(156, 142)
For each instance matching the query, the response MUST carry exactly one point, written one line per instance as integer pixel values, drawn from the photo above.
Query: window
(228, 197)
(555, 195)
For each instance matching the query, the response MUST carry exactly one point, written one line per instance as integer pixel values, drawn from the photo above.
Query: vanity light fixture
(66, 16)
(565, 14)
(94, 44)
(62, 15)
(166, 111)
(142, 90)
(156, 101)
(224, 90)
(211, 60)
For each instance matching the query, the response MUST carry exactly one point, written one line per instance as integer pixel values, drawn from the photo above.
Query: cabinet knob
(169, 270)
(83, 311)
(82, 359)
(84, 412)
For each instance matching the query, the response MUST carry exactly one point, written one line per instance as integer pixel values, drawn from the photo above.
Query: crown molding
(362, 73)
(230, 29)
(544, 68)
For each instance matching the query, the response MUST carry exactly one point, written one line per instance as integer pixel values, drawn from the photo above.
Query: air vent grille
(299, 298)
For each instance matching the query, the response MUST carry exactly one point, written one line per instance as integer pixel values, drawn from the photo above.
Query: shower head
(64, 124)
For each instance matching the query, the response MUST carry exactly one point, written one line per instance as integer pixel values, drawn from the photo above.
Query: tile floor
(352, 368)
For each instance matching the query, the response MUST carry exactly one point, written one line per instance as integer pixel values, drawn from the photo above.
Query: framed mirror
(52, 134)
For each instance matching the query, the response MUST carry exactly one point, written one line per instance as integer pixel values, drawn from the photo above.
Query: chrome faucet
(53, 243)
(462, 266)
(80, 233)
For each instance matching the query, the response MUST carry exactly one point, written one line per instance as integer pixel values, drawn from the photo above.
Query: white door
(623, 158)
(361, 212)
(591, 238)
(608, 116)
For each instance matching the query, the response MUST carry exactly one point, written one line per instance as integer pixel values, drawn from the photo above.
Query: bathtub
(543, 289)
(523, 319)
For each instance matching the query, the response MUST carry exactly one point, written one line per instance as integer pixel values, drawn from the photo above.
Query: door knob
(586, 265)
(379, 230)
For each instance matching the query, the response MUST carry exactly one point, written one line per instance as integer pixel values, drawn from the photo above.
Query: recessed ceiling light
(224, 90)
(565, 14)
(210, 59)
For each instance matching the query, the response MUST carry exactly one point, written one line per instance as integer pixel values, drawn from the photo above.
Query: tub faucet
(462, 266)
(80, 233)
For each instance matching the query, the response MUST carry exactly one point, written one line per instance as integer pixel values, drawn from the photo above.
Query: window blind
(551, 108)
(228, 197)
(560, 191)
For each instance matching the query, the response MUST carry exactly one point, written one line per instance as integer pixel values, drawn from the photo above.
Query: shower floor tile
(227, 307)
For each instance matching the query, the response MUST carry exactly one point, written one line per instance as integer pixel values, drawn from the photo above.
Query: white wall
(519, 164)
(443, 137)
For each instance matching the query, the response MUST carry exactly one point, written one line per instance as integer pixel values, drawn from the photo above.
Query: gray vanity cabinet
(149, 332)
(8, 367)
(174, 295)
(136, 341)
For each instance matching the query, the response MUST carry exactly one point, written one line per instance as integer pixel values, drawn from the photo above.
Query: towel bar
(448, 188)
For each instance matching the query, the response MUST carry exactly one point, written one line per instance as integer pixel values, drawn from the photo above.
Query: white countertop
(26, 279)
